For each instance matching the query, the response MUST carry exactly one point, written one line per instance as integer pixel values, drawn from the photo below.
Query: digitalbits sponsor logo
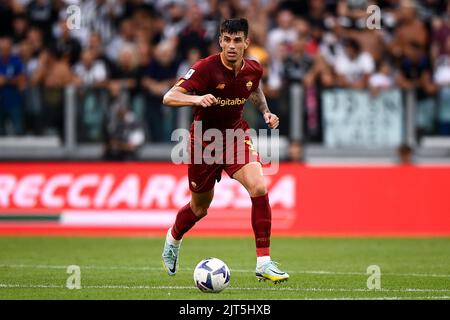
(234, 146)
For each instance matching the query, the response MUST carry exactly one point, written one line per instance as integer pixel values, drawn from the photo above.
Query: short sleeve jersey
(211, 75)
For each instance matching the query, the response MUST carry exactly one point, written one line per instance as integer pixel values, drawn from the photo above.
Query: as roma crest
(249, 85)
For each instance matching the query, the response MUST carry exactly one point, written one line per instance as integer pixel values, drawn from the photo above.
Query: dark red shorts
(203, 176)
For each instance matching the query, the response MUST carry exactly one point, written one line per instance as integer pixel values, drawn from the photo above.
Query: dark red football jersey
(211, 75)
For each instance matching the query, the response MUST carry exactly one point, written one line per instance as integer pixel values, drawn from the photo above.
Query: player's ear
(247, 42)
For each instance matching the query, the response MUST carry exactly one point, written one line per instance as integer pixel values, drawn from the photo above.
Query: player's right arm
(196, 80)
(179, 97)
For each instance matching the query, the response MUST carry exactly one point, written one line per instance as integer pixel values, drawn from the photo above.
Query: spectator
(194, 35)
(284, 32)
(223, 10)
(371, 41)
(90, 75)
(90, 72)
(442, 80)
(145, 53)
(20, 27)
(19, 6)
(125, 74)
(36, 40)
(125, 38)
(442, 69)
(159, 78)
(99, 16)
(353, 66)
(302, 27)
(441, 35)
(298, 63)
(193, 55)
(54, 74)
(176, 20)
(256, 11)
(6, 17)
(405, 154)
(32, 94)
(124, 135)
(382, 79)
(352, 13)
(321, 73)
(409, 28)
(416, 74)
(97, 46)
(295, 151)
(43, 15)
(67, 45)
(314, 37)
(415, 69)
(298, 69)
(318, 13)
(127, 9)
(12, 83)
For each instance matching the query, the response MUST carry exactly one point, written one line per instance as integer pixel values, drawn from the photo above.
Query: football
(211, 275)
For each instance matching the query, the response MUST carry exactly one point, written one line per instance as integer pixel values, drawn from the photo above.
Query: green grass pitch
(131, 268)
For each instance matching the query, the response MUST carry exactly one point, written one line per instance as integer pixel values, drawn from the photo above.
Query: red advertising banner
(143, 198)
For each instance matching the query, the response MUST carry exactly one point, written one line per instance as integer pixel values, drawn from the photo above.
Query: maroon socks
(261, 223)
(185, 220)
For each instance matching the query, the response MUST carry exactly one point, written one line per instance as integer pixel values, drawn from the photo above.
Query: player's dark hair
(232, 26)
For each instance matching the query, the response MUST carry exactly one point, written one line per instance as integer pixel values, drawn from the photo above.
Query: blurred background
(343, 91)
(363, 96)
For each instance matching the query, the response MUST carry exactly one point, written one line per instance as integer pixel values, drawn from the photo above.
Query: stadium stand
(58, 80)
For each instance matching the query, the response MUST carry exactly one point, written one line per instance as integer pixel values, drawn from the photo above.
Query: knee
(258, 189)
(200, 210)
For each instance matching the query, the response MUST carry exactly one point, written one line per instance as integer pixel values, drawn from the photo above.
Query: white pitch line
(29, 286)
(384, 298)
(131, 268)
(145, 287)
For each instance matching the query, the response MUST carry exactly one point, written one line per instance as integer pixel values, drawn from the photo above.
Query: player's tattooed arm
(259, 100)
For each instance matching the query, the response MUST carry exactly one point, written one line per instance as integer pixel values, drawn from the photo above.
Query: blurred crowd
(138, 49)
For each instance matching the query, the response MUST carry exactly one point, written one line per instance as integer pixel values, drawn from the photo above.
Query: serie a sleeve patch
(189, 74)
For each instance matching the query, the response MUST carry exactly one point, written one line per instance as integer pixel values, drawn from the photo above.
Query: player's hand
(207, 100)
(271, 120)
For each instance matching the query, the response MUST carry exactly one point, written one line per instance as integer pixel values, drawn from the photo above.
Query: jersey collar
(229, 68)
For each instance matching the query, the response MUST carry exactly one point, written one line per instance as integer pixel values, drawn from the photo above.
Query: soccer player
(217, 88)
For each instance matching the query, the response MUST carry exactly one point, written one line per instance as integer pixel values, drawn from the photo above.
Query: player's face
(233, 45)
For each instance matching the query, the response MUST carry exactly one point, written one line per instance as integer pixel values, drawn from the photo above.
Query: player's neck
(235, 66)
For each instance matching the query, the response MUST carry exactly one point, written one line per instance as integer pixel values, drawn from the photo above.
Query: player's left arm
(259, 100)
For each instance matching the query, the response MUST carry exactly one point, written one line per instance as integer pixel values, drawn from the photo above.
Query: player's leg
(196, 209)
(251, 177)
(186, 218)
